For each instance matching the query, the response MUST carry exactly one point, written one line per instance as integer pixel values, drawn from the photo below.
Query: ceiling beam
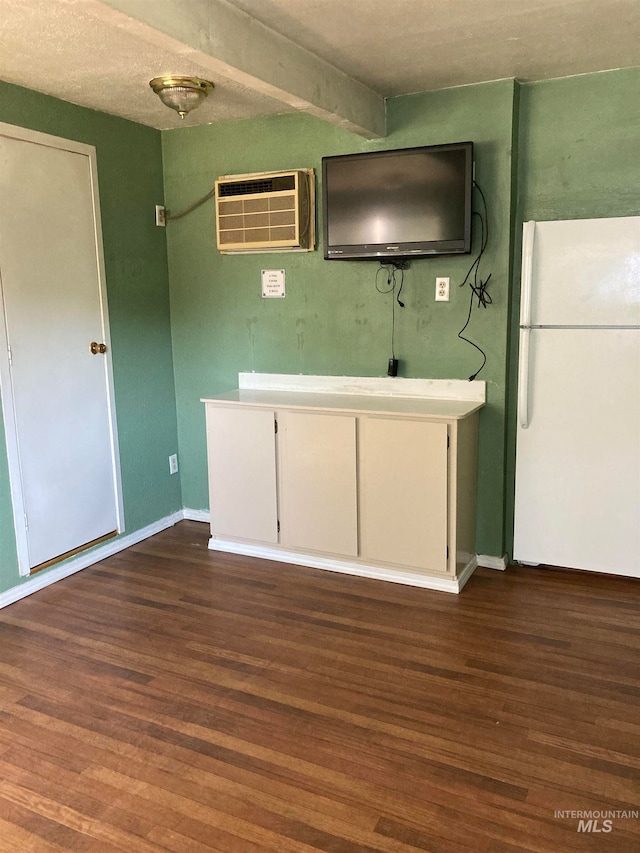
(231, 44)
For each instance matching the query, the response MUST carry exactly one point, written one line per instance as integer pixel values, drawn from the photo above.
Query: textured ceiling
(53, 46)
(398, 47)
(392, 46)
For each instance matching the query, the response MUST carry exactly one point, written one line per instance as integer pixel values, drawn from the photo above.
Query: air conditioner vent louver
(266, 212)
(268, 185)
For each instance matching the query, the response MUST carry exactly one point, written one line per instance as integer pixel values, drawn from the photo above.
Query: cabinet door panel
(403, 499)
(242, 473)
(318, 482)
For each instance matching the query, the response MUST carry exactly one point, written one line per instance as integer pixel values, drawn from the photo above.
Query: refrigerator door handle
(523, 379)
(528, 236)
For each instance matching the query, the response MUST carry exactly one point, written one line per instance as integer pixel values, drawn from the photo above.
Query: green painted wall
(131, 183)
(551, 150)
(579, 158)
(333, 321)
(579, 143)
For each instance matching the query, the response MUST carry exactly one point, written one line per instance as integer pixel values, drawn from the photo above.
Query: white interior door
(56, 394)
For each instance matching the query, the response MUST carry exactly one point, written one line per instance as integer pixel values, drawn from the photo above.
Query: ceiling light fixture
(181, 94)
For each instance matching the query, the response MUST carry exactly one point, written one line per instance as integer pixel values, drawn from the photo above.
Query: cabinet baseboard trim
(489, 562)
(88, 558)
(347, 567)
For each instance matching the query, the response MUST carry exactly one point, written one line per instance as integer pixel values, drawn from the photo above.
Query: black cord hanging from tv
(477, 285)
(391, 268)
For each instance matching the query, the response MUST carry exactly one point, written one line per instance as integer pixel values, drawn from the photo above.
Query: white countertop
(438, 409)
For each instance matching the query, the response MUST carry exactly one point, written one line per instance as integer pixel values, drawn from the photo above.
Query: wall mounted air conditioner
(266, 212)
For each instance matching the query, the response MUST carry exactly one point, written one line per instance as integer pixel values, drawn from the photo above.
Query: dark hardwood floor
(172, 698)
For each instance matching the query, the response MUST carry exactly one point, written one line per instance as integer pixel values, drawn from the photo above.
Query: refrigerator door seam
(548, 326)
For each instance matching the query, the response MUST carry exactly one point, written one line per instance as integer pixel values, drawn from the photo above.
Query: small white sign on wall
(273, 283)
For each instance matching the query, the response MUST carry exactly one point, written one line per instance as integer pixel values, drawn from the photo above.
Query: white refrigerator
(577, 492)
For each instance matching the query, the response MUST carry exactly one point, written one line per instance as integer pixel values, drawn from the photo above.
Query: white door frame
(6, 383)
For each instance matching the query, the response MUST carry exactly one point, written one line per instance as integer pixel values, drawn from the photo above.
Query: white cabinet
(361, 484)
(242, 473)
(317, 466)
(404, 492)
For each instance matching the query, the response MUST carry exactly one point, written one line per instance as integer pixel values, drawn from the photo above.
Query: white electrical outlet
(161, 215)
(173, 463)
(442, 289)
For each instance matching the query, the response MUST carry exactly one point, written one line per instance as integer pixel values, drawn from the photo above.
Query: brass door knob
(98, 348)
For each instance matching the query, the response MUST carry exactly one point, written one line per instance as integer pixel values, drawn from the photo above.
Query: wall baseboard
(466, 573)
(88, 558)
(488, 562)
(196, 515)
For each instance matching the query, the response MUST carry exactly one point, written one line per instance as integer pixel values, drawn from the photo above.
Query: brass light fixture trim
(181, 94)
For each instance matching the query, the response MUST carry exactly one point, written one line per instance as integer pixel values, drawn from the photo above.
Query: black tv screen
(408, 203)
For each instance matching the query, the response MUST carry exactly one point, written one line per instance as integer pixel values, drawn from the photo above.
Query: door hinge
(448, 442)
(278, 525)
(10, 356)
(447, 552)
(275, 425)
(26, 522)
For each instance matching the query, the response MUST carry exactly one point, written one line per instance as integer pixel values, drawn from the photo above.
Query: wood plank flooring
(176, 699)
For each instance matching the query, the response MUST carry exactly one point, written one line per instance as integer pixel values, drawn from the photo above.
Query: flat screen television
(407, 203)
